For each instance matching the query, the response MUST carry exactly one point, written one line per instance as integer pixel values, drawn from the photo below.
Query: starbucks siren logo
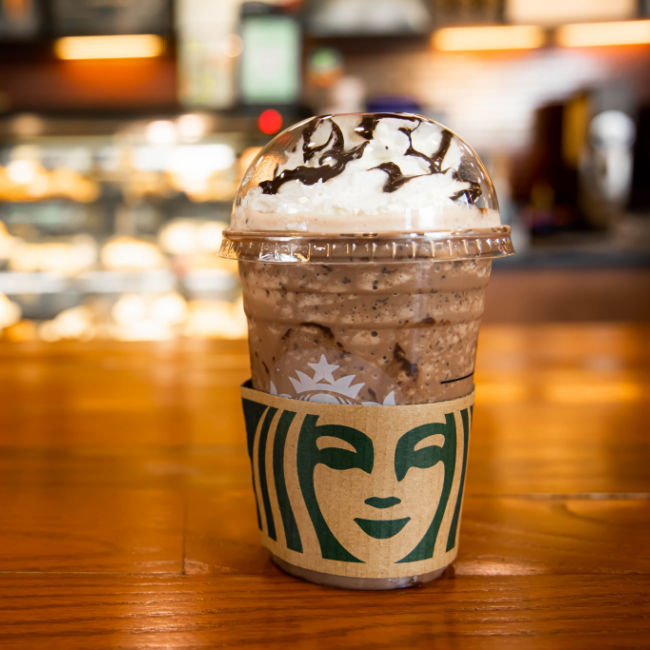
(356, 492)
(323, 387)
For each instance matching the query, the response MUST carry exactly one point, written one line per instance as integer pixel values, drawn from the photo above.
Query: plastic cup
(363, 324)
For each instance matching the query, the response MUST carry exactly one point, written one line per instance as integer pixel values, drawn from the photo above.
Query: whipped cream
(366, 173)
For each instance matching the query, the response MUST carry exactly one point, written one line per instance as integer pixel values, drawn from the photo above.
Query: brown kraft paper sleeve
(358, 491)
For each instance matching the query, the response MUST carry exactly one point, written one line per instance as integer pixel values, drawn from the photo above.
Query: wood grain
(273, 611)
(500, 535)
(127, 519)
(45, 528)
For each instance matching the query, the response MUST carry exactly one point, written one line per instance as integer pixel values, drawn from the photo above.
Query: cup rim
(302, 247)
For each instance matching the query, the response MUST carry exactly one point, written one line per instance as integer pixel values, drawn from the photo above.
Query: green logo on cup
(382, 488)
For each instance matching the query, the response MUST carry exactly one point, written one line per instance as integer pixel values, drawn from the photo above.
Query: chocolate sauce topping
(396, 178)
(368, 124)
(309, 149)
(466, 174)
(332, 162)
(335, 158)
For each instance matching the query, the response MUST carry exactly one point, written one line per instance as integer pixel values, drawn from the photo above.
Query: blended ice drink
(364, 244)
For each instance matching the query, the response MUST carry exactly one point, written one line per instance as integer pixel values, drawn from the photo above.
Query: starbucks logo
(357, 486)
(326, 387)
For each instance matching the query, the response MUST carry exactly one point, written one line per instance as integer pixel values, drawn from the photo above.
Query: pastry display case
(109, 229)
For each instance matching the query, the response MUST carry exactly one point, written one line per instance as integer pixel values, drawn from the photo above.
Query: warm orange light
(489, 37)
(623, 32)
(125, 46)
(593, 393)
(500, 392)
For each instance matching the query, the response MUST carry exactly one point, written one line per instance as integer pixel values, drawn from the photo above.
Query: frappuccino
(364, 244)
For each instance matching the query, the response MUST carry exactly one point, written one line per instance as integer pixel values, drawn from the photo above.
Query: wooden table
(127, 519)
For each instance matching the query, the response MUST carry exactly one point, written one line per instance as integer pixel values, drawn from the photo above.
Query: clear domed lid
(365, 174)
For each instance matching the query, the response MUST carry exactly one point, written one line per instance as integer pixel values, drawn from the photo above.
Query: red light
(269, 121)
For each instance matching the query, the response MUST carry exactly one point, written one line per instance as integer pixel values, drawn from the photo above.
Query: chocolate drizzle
(466, 174)
(472, 193)
(332, 162)
(368, 124)
(309, 149)
(332, 159)
(435, 161)
(396, 178)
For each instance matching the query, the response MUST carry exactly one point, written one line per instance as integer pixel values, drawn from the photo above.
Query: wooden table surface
(127, 519)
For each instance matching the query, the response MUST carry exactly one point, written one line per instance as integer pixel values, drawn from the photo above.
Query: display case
(109, 228)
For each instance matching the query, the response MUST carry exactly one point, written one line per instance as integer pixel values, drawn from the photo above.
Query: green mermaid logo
(371, 493)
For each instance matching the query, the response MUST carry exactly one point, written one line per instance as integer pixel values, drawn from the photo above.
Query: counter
(128, 520)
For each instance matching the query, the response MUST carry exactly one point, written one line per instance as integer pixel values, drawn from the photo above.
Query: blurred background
(125, 127)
